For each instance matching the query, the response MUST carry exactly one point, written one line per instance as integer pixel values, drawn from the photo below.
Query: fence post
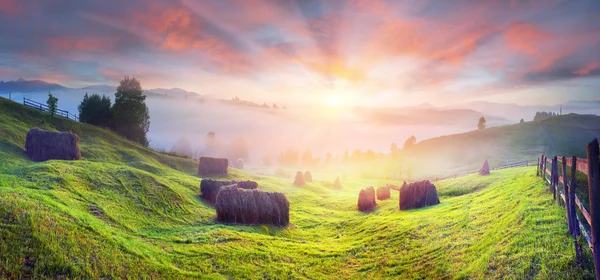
(572, 211)
(553, 177)
(566, 192)
(594, 191)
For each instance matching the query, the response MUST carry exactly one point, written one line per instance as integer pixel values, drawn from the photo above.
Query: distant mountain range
(28, 86)
(22, 85)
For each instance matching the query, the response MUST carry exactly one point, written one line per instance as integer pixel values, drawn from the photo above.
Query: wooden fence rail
(43, 107)
(556, 175)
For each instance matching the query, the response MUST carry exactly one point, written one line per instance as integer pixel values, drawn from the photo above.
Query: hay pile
(485, 169)
(247, 185)
(337, 184)
(299, 180)
(418, 195)
(383, 192)
(212, 166)
(366, 200)
(42, 145)
(210, 188)
(239, 163)
(307, 176)
(236, 205)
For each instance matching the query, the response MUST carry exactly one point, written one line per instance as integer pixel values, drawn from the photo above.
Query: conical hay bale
(485, 168)
(213, 166)
(308, 176)
(383, 192)
(337, 184)
(366, 200)
(299, 180)
(42, 145)
(418, 195)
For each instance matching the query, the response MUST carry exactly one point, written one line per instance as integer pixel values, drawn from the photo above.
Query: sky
(328, 52)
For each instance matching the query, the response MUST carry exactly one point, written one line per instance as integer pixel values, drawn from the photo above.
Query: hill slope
(128, 212)
(565, 135)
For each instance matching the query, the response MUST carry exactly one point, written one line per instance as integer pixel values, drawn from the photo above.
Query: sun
(334, 101)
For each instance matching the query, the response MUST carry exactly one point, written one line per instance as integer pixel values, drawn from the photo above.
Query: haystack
(366, 200)
(247, 185)
(383, 192)
(42, 145)
(235, 205)
(212, 166)
(485, 169)
(307, 176)
(210, 188)
(418, 195)
(337, 184)
(299, 180)
(239, 163)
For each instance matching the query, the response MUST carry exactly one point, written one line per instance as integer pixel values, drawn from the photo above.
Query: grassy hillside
(564, 135)
(127, 212)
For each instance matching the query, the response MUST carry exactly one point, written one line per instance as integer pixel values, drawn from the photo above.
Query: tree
(95, 110)
(522, 121)
(130, 113)
(307, 158)
(481, 124)
(346, 157)
(410, 142)
(540, 116)
(52, 104)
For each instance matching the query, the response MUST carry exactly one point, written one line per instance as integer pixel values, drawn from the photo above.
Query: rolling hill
(564, 135)
(125, 211)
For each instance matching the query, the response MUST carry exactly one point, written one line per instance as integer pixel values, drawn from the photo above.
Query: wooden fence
(557, 175)
(504, 166)
(43, 107)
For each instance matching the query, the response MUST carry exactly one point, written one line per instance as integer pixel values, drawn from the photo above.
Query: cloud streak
(406, 51)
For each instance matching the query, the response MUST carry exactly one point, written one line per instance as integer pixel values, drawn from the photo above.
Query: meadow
(125, 211)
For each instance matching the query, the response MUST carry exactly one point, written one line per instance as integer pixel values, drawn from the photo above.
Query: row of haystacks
(235, 205)
(414, 195)
(366, 200)
(302, 178)
(383, 192)
(418, 195)
(212, 166)
(42, 145)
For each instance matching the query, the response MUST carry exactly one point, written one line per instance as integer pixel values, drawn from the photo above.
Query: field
(129, 212)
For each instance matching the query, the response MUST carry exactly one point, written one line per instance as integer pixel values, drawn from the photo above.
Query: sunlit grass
(128, 212)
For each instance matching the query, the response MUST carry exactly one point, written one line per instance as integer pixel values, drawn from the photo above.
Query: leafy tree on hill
(95, 110)
(182, 147)
(130, 112)
(52, 104)
(522, 121)
(481, 124)
(410, 142)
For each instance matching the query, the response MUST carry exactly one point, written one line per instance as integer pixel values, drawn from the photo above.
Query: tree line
(128, 116)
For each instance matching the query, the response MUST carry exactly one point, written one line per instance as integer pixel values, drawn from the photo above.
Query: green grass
(129, 212)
